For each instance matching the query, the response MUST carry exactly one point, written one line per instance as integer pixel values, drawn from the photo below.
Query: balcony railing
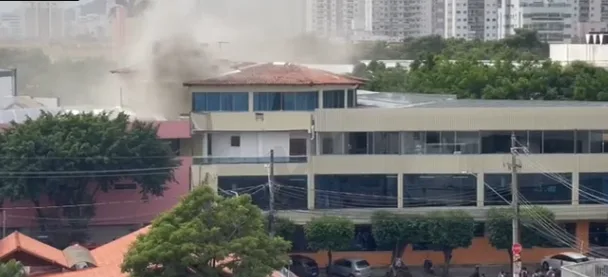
(248, 160)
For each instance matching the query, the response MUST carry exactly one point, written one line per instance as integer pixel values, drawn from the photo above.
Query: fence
(594, 268)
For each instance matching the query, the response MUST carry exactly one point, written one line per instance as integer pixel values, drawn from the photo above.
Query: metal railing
(287, 273)
(248, 160)
(593, 268)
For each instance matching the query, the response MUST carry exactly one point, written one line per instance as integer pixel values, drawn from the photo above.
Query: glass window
(467, 143)
(413, 142)
(293, 194)
(439, 190)
(355, 191)
(333, 99)
(598, 233)
(497, 189)
(358, 143)
(598, 141)
(285, 101)
(332, 143)
(582, 141)
(224, 101)
(535, 188)
(535, 141)
(555, 142)
(352, 98)
(593, 186)
(499, 142)
(384, 143)
(364, 240)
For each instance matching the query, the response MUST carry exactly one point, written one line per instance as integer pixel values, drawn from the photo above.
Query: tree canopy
(524, 44)
(205, 235)
(448, 230)
(499, 227)
(329, 233)
(393, 231)
(39, 75)
(69, 158)
(12, 268)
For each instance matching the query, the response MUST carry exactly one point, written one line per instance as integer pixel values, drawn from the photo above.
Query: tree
(395, 232)
(284, 227)
(499, 227)
(12, 268)
(70, 158)
(329, 233)
(448, 230)
(205, 235)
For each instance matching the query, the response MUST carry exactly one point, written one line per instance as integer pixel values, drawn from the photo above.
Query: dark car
(304, 266)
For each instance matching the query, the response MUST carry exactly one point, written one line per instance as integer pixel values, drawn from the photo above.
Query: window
(355, 191)
(352, 98)
(332, 143)
(220, 102)
(333, 99)
(593, 188)
(235, 141)
(175, 146)
(384, 143)
(285, 101)
(125, 186)
(293, 194)
(534, 187)
(297, 147)
(439, 190)
(558, 142)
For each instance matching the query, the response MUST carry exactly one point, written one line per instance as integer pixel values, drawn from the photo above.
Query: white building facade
(555, 21)
(339, 18)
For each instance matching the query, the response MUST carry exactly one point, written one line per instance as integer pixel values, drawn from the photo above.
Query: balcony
(248, 160)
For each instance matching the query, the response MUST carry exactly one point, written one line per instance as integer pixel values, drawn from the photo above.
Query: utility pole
(271, 215)
(515, 201)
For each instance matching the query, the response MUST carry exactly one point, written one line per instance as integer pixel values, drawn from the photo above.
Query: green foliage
(393, 231)
(330, 233)
(524, 45)
(448, 230)
(69, 158)
(38, 75)
(285, 228)
(12, 268)
(499, 227)
(204, 235)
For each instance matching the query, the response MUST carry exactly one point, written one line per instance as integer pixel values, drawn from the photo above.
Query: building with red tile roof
(46, 261)
(284, 74)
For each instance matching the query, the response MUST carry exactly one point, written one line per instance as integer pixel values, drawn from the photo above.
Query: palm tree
(12, 268)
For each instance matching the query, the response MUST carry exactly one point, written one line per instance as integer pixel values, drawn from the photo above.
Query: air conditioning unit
(596, 38)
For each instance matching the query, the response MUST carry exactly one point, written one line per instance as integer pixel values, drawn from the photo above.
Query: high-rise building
(12, 25)
(339, 18)
(405, 18)
(43, 20)
(554, 20)
(471, 19)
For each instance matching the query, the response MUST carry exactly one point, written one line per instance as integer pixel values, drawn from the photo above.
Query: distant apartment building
(471, 19)
(11, 25)
(43, 20)
(592, 17)
(555, 21)
(339, 18)
(405, 18)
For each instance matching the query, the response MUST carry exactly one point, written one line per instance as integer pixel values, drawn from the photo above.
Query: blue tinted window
(352, 98)
(333, 99)
(216, 102)
(285, 101)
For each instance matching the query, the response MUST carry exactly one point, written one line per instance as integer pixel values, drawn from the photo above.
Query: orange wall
(480, 252)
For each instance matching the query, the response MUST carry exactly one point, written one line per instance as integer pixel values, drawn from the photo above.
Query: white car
(565, 258)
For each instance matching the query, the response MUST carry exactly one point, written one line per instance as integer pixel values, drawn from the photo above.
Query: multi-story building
(338, 18)
(555, 21)
(471, 19)
(12, 25)
(334, 156)
(43, 20)
(405, 18)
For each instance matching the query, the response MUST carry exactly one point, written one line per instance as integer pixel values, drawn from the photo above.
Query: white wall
(592, 53)
(253, 144)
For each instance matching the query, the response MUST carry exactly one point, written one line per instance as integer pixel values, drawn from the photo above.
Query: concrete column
(204, 141)
(481, 189)
(310, 176)
(251, 101)
(575, 188)
(320, 99)
(400, 190)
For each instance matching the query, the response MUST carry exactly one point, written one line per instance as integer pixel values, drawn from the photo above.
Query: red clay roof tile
(277, 74)
(18, 242)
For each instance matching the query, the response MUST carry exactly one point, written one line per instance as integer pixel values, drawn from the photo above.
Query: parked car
(561, 259)
(350, 268)
(303, 266)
